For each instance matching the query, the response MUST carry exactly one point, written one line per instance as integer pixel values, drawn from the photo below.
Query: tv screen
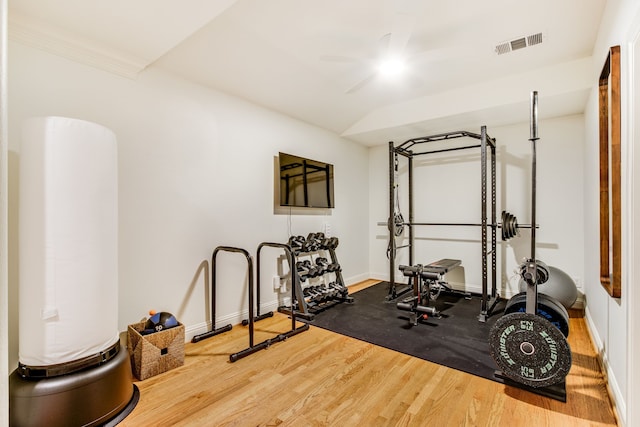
(305, 182)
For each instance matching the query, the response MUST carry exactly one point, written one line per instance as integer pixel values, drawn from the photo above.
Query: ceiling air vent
(503, 48)
(518, 43)
(534, 39)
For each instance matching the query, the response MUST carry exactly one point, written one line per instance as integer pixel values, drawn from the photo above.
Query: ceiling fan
(390, 57)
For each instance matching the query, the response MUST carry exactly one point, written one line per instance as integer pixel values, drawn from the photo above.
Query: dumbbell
(330, 243)
(296, 243)
(308, 298)
(313, 291)
(329, 267)
(319, 236)
(309, 246)
(323, 264)
(306, 293)
(314, 270)
(322, 261)
(326, 266)
(321, 293)
(302, 267)
(328, 292)
(314, 241)
(338, 290)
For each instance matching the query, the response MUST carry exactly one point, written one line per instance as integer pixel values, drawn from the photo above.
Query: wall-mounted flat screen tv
(305, 182)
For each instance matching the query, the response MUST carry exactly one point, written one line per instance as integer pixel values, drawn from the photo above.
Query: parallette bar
(267, 343)
(211, 333)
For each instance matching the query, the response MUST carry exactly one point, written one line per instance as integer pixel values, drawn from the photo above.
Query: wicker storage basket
(155, 353)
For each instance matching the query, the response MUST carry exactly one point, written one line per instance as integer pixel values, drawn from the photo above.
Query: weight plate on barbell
(503, 229)
(529, 350)
(548, 308)
(398, 221)
(509, 226)
(513, 223)
(509, 222)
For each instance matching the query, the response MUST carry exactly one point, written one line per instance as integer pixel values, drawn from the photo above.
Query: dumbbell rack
(318, 293)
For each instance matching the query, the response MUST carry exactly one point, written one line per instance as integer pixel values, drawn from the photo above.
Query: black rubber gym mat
(457, 339)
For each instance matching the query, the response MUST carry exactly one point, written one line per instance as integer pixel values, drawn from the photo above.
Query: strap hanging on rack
(397, 220)
(397, 216)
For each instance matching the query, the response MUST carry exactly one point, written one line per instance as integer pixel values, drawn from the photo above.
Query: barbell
(509, 225)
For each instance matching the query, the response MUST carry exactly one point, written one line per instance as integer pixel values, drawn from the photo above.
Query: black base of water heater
(100, 396)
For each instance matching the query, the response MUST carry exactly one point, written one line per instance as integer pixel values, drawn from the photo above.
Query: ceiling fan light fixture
(392, 67)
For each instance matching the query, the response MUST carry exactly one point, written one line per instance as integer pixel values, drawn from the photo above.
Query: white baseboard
(232, 319)
(356, 279)
(613, 387)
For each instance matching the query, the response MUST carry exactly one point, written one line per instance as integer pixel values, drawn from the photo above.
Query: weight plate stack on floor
(548, 308)
(530, 350)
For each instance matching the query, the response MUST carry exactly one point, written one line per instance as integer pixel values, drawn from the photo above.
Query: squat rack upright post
(488, 255)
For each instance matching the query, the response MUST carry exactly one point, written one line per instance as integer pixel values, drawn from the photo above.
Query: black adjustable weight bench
(427, 284)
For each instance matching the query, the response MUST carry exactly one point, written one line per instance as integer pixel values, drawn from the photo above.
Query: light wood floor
(319, 378)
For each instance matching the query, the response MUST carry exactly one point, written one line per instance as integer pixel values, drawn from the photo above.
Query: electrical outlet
(276, 283)
(577, 281)
(327, 229)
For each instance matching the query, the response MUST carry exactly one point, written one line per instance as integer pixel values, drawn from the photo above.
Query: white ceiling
(313, 60)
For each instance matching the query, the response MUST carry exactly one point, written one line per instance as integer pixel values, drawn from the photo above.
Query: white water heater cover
(68, 237)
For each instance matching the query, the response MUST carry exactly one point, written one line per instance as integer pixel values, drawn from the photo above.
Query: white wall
(447, 188)
(606, 316)
(609, 319)
(196, 170)
(4, 293)
(633, 375)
